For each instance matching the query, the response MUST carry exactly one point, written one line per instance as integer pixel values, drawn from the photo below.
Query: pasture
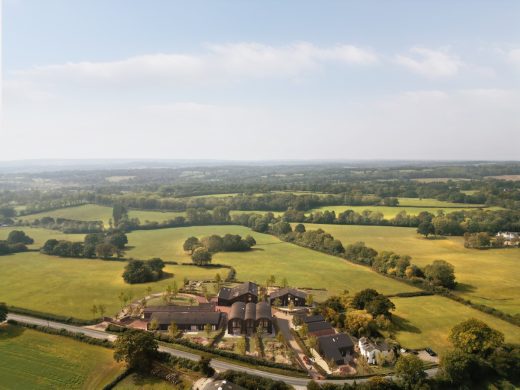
(269, 256)
(35, 360)
(40, 235)
(93, 212)
(490, 277)
(412, 206)
(427, 321)
(71, 286)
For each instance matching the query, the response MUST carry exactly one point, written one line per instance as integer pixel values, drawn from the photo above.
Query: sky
(260, 80)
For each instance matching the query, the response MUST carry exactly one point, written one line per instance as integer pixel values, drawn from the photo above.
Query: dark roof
(238, 310)
(223, 385)
(287, 290)
(317, 326)
(188, 318)
(263, 310)
(330, 346)
(241, 289)
(250, 311)
(180, 308)
(316, 318)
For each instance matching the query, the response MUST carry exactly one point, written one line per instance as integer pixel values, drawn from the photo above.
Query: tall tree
(137, 349)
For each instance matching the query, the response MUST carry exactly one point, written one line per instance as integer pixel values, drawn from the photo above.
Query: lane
(218, 365)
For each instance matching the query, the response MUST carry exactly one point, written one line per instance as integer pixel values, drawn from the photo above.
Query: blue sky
(261, 80)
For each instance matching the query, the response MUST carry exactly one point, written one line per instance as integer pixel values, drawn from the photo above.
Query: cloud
(223, 62)
(513, 56)
(430, 63)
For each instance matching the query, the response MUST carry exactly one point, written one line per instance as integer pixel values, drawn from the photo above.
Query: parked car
(307, 360)
(430, 352)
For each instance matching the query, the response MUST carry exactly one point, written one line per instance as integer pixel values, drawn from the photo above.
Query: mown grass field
(71, 286)
(302, 267)
(490, 277)
(427, 321)
(35, 360)
(93, 212)
(412, 206)
(40, 235)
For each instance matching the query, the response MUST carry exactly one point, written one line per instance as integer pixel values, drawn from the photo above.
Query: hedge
(52, 317)
(63, 332)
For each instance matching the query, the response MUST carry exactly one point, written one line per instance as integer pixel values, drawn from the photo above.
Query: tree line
(202, 250)
(102, 245)
(17, 241)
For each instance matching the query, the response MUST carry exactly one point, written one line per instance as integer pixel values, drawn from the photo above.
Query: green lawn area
(427, 321)
(270, 256)
(430, 202)
(93, 212)
(71, 286)
(490, 277)
(36, 360)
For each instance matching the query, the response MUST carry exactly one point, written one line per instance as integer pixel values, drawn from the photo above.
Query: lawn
(35, 360)
(490, 277)
(136, 382)
(427, 321)
(71, 286)
(270, 256)
(93, 212)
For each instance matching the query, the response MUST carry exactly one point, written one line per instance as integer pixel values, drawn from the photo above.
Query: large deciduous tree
(137, 349)
(475, 337)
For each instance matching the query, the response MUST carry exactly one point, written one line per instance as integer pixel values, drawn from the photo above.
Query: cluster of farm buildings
(239, 311)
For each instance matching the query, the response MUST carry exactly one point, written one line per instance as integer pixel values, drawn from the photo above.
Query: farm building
(188, 320)
(337, 348)
(247, 318)
(510, 238)
(320, 328)
(370, 350)
(245, 292)
(314, 318)
(202, 307)
(286, 295)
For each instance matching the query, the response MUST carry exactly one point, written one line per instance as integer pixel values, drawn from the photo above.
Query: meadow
(427, 321)
(490, 277)
(71, 286)
(93, 212)
(31, 359)
(269, 256)
(40, 235)
(412, 206)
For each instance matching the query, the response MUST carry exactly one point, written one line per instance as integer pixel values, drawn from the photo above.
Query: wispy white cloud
(218, 62)
(430, 63)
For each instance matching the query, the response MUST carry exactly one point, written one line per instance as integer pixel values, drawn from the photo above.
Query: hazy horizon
(233, 81)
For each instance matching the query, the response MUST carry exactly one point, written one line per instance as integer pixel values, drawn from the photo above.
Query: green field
(270, 256)
(35, 360)
(490, 277)
(427, 321)
(40, 235)
(71, 286)
(93, 212)
(412, 206)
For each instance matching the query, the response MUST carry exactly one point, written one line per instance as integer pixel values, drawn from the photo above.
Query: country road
(219, 365)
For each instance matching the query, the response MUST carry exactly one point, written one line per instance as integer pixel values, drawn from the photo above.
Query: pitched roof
(180, 308)
(241, 289)
(188, 318)
(238, 310)
(287, 290)
(330, 346)
(263, 310)
(315, 318)
(250, 313)
(317, 326)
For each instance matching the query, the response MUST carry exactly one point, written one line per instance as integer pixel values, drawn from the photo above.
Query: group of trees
(364, 314)
(202, 250)
(103, 245)
(69, 226)
(140, 271)
(17, 241)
